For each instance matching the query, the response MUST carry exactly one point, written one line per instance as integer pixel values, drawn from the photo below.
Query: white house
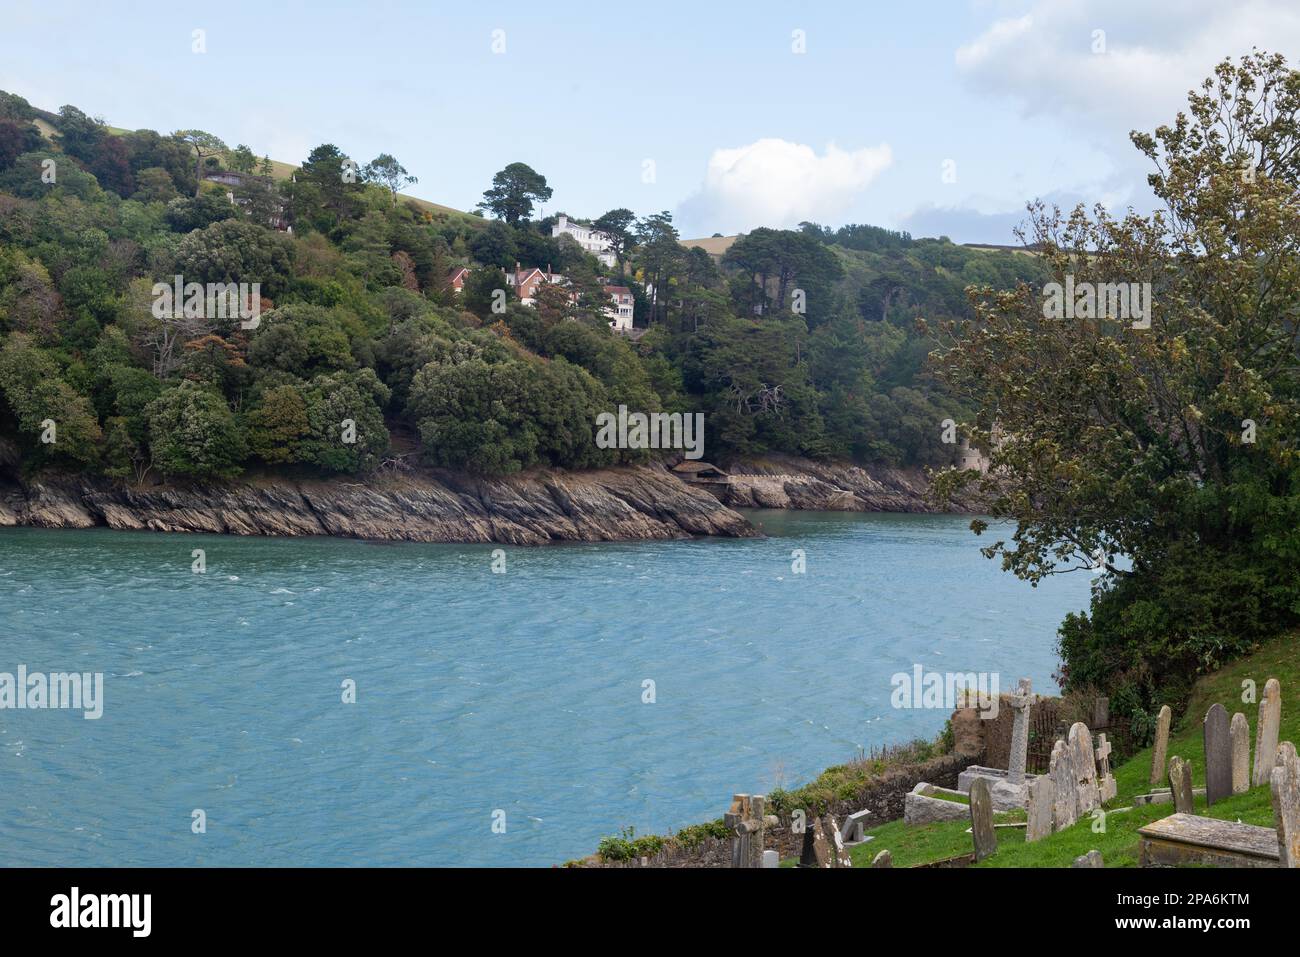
(591, 240)
(619, 311)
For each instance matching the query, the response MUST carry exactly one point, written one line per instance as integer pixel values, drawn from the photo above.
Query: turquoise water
(476, 692)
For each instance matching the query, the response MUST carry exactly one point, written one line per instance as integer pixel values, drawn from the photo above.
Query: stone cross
(1285, 784)
(1085, 767)
(1065, 803)
(1106, 784)
(981, 819)
(1218, 754)
(1239, 732)
(745, 821)
(1042, 797)
(1161, 745)
(1180, 783)
(1020, 703)
(1266, 732)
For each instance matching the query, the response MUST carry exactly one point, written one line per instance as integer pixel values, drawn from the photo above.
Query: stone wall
(883, 795)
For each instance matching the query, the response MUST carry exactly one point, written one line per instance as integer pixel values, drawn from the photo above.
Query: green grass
(1118, 842)
(954, 798)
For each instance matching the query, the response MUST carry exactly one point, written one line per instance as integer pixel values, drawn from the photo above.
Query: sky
(940, 118)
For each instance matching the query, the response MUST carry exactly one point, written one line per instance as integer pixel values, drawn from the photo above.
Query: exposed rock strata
(635, 503)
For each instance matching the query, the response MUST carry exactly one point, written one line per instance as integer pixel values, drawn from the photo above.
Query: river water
(585, 689)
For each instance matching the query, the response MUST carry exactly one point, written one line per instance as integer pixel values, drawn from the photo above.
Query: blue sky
(741, 130)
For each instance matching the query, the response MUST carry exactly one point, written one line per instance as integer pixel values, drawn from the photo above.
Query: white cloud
(1154, 53)
(773, 182)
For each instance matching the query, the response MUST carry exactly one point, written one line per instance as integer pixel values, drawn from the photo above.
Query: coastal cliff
(797, 483)
(536, 508)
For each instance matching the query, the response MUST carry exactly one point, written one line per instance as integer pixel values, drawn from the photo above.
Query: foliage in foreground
(1163, 457)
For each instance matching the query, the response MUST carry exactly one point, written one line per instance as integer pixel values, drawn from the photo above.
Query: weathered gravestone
(746, 822)
(1266, 732)
(816, 850)
(840, 853)
(1180, 783)
(1218, 754)
(981, 819)
(1091, 859)
(1285, 784)
(1020, 703)
(1042, 796)
(855, 826)
(1161, 744)
(1101, 712)
(1065, 805)
(883, 859)
(1239, 732)
(771, 859)
(1106, 786)
(1085, 767)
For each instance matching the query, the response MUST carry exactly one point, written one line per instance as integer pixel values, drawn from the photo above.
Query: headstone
(1239, 732)
(1266, 731)
(1065, 803)
(839, 853)
(1218, 754)
(1091, 859)
(816, 846)
(1042, 796)
(1020, 703)
(746, 822)
(1284, 780)
(1180, 782)
(883, 859)
(1161, 745)
(855, 826)
(1101, 712)
(1085, 767)
(771, 859)
(981, 819)
(1106, 787)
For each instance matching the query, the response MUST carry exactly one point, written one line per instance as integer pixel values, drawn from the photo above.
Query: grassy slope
(1119, 843)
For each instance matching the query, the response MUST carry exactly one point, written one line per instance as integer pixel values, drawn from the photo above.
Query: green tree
(203, 144)
(193, 433)
(388, 173)
(618, 225)
(513, 192)
(1171, 446)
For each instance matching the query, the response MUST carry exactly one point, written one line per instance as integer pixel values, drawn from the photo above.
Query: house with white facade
(591, 240)
(619, 311)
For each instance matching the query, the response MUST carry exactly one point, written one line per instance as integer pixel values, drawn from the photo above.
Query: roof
(620, 290)
(694, 467)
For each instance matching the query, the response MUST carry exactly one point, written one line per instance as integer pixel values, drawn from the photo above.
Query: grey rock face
(622, 504)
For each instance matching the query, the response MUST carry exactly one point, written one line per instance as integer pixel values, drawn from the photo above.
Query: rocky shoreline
(633, 503)
(624, 504)
(797, 483)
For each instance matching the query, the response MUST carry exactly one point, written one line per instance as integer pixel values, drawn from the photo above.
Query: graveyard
(1119, 843)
